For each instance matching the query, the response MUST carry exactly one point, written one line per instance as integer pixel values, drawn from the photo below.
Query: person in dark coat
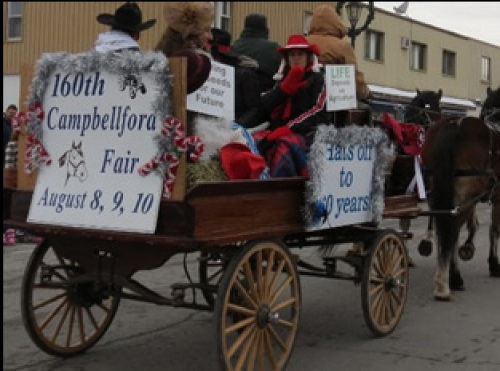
(247, 88)
(7, 128)
(253, 42)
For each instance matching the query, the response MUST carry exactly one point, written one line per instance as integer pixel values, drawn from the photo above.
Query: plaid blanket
(11, 155)
(287, 156)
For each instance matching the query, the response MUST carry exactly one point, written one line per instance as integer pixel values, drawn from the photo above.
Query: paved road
(463, 335)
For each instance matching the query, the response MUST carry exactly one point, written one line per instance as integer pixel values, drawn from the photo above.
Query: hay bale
(206, 171)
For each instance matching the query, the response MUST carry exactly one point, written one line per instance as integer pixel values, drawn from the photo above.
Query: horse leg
(425, 246)
(494, 236)
(466, 251)
(456, 281)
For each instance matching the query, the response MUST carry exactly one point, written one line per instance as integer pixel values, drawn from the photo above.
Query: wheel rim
(258, 326)
(62, 319)
(385, 285)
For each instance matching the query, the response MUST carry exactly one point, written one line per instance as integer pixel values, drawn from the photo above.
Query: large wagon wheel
(384, 287)
(62, 319)
(258, 308)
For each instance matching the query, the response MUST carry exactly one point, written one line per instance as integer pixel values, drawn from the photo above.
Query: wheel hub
(85, 294)
(265, 316)
(391, 283)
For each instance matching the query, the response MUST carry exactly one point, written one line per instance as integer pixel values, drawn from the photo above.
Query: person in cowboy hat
(294, 107)
(126, 26)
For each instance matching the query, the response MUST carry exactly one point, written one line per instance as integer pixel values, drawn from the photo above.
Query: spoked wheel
(258, 308)
(384, 287)
(211, 270)
(62, 318)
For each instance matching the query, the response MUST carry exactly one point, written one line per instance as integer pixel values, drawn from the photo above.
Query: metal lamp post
(354, 9)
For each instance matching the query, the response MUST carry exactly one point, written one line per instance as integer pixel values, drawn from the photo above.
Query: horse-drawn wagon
(243, 231)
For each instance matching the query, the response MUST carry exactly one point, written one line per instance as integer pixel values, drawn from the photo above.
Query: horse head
(491, 106)
(75, 162)
(424, 108)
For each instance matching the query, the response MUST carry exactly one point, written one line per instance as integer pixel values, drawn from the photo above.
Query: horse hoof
(411, 263)
(425, 248)
(466, 251)
(442, 293)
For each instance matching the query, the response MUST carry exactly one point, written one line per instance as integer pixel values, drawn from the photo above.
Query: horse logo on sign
(75, 163)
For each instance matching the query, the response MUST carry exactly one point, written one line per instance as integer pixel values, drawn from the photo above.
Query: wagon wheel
(384, 287)
(258, 307)
(62, 319)
(211, 270)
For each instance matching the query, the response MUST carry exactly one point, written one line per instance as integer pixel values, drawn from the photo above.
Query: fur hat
(189, 17)
(297, 42)
(127, 17)
(198, 68)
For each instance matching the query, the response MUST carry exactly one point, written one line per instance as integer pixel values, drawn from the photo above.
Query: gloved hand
(279, 132)
(293, 81)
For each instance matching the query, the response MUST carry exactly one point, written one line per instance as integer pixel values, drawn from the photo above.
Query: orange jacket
(327, 31)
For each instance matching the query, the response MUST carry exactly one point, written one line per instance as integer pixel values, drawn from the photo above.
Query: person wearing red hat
(294, 107)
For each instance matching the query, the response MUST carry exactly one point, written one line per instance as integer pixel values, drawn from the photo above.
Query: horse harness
(494, 158)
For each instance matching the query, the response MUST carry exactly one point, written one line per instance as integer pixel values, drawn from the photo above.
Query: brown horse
(463, 156)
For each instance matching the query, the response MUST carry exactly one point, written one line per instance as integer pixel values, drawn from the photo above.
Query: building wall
(395, 69)
(11, 84)
(72, 27)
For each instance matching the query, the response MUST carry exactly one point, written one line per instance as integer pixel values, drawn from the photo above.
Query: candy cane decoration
(173, 131)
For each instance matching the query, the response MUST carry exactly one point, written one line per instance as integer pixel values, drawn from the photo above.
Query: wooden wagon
(243, 233)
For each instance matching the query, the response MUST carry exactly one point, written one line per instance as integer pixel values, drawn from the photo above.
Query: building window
(222, 15)
(485, 69)
(374, 45)
(306, 22)
(15, 19)
(449, 59)
(418, 56)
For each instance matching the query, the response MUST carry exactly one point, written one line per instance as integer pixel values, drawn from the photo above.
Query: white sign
(340, 87)
(98, 129)
(345, 196)
(216, 96)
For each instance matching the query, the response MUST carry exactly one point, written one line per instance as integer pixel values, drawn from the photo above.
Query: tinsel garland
(123, 63)
(352, 135)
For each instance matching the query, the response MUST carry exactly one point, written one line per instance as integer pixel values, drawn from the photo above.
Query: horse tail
(443, 192)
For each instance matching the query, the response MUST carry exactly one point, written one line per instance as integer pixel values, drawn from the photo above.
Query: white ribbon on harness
(417, 180)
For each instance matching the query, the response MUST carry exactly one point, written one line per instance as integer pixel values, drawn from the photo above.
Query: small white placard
(216, 95)
(340, 87)
(345, 195)
(98, 128)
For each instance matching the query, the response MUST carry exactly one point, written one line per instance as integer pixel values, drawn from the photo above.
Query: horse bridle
(423, 114)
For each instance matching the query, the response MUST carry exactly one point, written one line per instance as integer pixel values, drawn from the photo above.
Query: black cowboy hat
(128, 17)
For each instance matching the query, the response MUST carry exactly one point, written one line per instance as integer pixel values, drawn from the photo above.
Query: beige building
(396, 54)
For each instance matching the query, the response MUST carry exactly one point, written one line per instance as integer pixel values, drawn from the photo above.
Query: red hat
(298, 42)
(239, 162)
(411, 137)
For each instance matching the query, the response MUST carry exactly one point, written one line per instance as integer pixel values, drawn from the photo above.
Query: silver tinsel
(351, 135)
(121, 63)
